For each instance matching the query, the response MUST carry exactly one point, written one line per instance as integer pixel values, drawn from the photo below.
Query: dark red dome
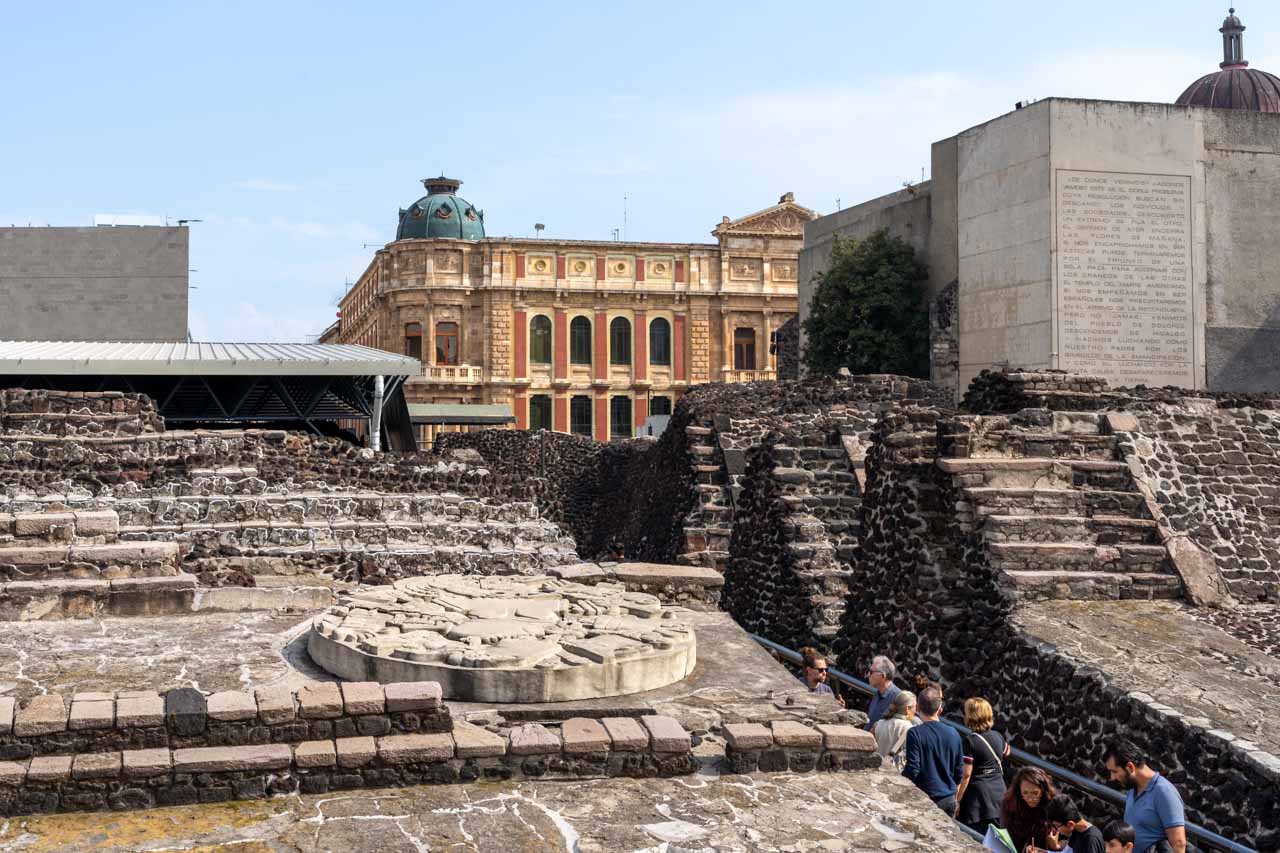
(1235, 88)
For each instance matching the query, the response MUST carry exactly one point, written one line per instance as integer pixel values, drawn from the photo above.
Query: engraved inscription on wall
(1124, 277)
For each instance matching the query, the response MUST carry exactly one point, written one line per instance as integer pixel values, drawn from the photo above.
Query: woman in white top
(891, 732)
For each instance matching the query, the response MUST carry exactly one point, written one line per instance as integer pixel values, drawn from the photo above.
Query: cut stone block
(99, 765)
(415, 749)
(12, 774)
(97, 523)
(275, 705)
(846, 738)
(471, 741)
(92, 715)
(7, 707)
(42, 715)
(583, 736)
(666, 735)
(363, 697)
(229, 705)
(49, 768)
(315, 753)
(625, 734)
(789, 733)
(320, 701)
(748, 736)
(144, 763)
(139, 711)
(356, 751)
(41, 523)
(185, 711)
(92, 696)
(534, 739)
(273, 756)
(413, 696)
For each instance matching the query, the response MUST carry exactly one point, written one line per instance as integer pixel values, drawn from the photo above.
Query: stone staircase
(72, 564)
(709, 526)
(1059, 517)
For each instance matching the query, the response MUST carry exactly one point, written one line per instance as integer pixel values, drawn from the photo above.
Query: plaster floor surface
(864, 811)
(1162, 649)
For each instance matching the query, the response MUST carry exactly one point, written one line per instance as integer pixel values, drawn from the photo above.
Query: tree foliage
(869, 312)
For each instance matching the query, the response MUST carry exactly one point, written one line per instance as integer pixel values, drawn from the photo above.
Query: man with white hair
(880, 674)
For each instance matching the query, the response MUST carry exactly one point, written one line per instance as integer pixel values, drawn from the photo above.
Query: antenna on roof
(538, 228)
(624, 216)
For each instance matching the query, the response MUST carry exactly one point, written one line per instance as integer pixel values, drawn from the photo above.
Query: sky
(295, 131)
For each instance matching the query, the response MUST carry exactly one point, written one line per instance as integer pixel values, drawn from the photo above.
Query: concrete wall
(905, 214)
(1003, 219)
(1241, 167)
(103, 283)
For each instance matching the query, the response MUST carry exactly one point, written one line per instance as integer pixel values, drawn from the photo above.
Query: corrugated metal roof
(122, 358)
(461, 413)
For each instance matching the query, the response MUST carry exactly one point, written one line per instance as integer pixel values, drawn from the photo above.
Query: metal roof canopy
(94, 358)
(461, 414)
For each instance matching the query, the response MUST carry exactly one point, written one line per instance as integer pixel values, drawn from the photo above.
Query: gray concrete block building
(1137, 241)
(121, 283)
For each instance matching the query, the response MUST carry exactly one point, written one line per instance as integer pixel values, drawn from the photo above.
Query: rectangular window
(659, 405)
(540, 412)
(413, 340)
(580, 416)
(620, 418)
(744, 349)
(447, 343)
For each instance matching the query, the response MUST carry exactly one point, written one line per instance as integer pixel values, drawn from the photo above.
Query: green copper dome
(441, 213)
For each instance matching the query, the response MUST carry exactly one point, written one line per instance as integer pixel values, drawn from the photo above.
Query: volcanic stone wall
(787, 343)
(36, 412)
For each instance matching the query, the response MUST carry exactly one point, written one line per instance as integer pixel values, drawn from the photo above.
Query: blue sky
(296, 130)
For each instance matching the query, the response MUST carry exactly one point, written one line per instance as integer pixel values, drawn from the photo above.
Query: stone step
(1048, 445)
(27, 601)
(1078, 556)
(277, 506)
(990, 500)
(58, 526)
(233, 537)
(355, 566)
(108, 561)
(1036, 472)
(1091, 585)
(1098, 530)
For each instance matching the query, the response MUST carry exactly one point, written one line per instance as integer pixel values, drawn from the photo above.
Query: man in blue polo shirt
(1152, 805)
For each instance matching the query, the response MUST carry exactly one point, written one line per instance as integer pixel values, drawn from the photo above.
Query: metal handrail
(1102, 792)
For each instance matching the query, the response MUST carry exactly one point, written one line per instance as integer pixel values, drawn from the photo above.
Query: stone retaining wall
(77, 413)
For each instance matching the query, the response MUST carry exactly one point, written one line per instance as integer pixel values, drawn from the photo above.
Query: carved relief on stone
(446, 313)
(410, 261)
(541, 265)
(662, 268)
(786, 222)
(580, 267)
(619, 267)
(448, 261)
(744, 269)
(784, 270)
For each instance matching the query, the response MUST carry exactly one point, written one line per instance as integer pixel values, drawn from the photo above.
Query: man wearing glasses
(815, 674)
(880, 675)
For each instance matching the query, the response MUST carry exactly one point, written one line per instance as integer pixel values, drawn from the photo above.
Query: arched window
(620, 418)
(659, 405)
(540, 339)
(447, 343)
(620, 341)
(413, 340)
(660, 342)
(744, 349)
(540, 412)
(580, 416)
(579, 341)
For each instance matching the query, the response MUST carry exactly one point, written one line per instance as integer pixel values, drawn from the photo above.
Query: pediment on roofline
(784, 218)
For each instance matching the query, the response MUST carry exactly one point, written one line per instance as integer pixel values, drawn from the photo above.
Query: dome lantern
(1232, 42)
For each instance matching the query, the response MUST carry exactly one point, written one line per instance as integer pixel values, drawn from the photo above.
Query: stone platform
(872, 811)
(504, 639)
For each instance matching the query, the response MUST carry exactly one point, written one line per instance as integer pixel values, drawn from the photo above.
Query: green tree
(868, 311)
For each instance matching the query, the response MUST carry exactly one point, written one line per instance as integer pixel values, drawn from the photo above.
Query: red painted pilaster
(520, 341)
(519, 265)
(560, 274)
(640, 408)
(640, 363)
(679, 271)
(560, 413)
(677, 332)
(602, 416)
(560, 345)
(639, 269)
(601, 357)
(522, 410)
(599, 267)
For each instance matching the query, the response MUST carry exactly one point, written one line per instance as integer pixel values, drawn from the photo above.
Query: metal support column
(375, 422)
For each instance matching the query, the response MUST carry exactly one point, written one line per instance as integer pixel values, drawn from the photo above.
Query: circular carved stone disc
(505, 639)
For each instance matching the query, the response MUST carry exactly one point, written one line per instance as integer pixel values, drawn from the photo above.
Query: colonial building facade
(589, 337)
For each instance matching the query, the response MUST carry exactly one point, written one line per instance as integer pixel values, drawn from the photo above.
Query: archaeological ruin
(263, 614)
